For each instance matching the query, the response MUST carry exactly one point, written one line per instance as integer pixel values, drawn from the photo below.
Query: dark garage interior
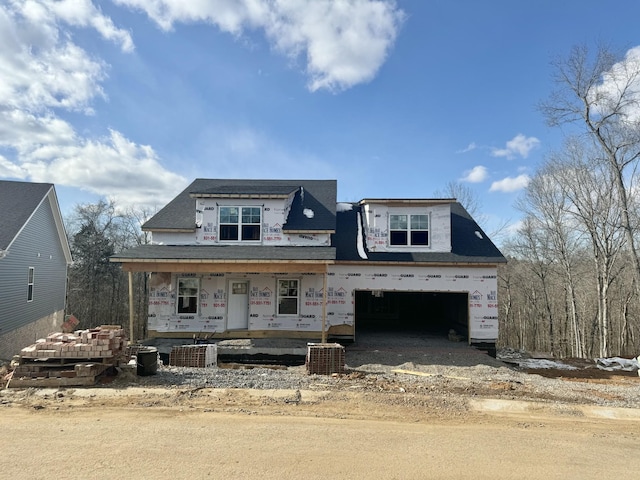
(432, 313)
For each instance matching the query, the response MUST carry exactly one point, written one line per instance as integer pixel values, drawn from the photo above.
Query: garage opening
(433, 313)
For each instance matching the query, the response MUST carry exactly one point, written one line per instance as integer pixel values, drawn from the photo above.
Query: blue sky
(133, 99)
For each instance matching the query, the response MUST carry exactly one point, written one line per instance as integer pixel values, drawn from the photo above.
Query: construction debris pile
(70, 359)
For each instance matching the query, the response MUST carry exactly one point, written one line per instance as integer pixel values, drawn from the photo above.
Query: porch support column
(324, 306)
(131, 333)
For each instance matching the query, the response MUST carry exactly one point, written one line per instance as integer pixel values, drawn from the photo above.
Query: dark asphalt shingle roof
(18, 200)
(248, 189)
(466, 246)
(318, 196)
(225, 252)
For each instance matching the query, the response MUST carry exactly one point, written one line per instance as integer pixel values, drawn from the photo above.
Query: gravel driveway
(410, 363)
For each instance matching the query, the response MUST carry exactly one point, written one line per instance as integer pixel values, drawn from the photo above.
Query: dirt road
(106, 434)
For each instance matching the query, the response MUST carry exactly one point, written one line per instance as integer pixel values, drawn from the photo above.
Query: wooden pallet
(50, 382)
(44, 374)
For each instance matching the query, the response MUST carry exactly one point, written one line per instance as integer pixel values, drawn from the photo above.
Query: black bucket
(147, 361)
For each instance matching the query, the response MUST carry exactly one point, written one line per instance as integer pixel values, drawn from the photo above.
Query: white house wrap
(255, 258)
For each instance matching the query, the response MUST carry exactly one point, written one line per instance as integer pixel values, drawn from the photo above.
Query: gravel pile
(214, 377)
(412, 364)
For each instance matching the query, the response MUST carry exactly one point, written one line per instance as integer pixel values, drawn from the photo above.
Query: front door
(238, 306)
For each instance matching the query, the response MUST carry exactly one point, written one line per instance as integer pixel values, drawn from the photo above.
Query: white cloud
(514, 228)
(472, 146)
(510, 184)
(39, 70)
(475, 175)
(622, 79)
(24, 131)
(113, 167)
(42, 73)
(10, 170)
(517, 146)
(343, 43)
(83, 13)
(77, 13)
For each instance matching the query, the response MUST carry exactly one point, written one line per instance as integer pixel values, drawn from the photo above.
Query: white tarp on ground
(523, 359)
(617, 363)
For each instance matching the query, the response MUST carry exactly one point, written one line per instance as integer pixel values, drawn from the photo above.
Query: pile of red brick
(194, 356)
(324, 358)
(105, 341)
(69, 359)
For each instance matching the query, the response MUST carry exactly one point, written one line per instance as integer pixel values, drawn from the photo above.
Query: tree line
(98, 290)
(572, 284)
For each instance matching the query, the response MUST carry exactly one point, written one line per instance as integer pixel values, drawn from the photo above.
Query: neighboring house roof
(469, 244)
(313, 208)
(224, 253)
(18, 202)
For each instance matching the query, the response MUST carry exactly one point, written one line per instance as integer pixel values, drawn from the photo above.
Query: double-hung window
(288, 296)
(240, 224)
(409, 230)
(188, 295)
(30, 282)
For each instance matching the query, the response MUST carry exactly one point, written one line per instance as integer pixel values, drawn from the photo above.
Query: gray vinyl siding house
(34, 256)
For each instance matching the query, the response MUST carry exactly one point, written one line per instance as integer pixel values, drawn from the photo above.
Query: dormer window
(240, 224)
(409, 230)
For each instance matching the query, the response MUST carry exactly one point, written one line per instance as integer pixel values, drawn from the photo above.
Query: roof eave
(169, 230)
(408, 201)
(421, 264)
(286, 230)
(257, 196)
(217, 261)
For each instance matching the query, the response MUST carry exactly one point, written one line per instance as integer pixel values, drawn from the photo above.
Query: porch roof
(225, 254)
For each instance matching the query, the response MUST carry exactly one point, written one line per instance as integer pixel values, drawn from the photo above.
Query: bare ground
(211, 433)
(436, 421)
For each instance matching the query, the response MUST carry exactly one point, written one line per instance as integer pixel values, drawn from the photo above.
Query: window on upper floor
(409, 230)
(30, 282)
(188, 295)
(288, 296)
(240, 224)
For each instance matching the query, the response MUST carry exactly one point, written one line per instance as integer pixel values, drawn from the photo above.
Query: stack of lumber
(69, 359)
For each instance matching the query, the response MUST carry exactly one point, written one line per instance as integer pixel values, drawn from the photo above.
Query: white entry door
(238, 305)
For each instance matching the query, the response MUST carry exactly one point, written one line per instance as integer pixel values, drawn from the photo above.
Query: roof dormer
(400, 225)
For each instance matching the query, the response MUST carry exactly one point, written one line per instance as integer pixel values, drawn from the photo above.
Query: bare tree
(464, 195)
(547, 206)
(600, 94)
(572, 242)
(472, 204)
(586, 183)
